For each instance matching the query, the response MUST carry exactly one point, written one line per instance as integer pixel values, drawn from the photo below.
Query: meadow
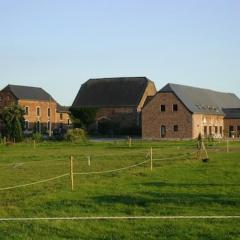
(178, 185)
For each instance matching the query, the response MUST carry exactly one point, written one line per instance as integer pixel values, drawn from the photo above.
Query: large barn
(184, 112)
(119, 102)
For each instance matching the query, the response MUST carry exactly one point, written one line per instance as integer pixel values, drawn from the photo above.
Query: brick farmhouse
(183, 112)
(42, 113)
(119, 102)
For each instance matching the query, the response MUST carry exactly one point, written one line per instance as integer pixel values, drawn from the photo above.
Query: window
(216, 130)
(221, 130)
(61, 116)
(49, 112)
(205, 131)
(163, 108)
(68, 122)
(26, 110)
(175, 128)
(38, 111)
(175, 107)
(210, 130)
(26, 127)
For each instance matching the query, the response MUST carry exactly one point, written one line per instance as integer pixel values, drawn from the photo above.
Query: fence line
(82, 157)
(113, 170)
(116, 218)
(173, 158)
(34, 183)
(84, 173)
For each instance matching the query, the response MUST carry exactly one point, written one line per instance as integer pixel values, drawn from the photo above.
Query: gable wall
(150, 91)
(7, 98)
(153, 118)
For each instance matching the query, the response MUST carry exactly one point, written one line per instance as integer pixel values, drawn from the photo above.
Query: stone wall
(208, 125)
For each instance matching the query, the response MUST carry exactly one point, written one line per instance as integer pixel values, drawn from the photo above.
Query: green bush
(37, 137)
(77, 135)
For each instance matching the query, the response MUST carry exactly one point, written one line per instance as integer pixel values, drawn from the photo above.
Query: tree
(13, 119)
(83, 117)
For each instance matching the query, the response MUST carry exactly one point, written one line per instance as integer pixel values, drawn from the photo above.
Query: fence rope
(112, 170)
(82, 157)
(175, 157)
(34, 183)
(87, 173)
(116, 218)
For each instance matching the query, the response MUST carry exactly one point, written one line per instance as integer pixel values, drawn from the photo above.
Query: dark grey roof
(62, 109)
(111, 92)
(232, 113)
(28, 93)
(199, 100)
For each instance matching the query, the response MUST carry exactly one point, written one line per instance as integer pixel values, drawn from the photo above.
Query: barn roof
(199, 100)
(111, 92)
(232, 113)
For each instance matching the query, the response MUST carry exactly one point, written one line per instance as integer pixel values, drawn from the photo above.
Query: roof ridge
(201, 88)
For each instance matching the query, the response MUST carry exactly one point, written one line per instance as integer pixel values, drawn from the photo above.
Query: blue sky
(59, 44)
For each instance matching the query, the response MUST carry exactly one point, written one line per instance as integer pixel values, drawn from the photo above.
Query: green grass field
(183, 186)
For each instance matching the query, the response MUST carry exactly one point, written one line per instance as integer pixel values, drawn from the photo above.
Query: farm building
(183, 112)
(42, 112)
(119, 102)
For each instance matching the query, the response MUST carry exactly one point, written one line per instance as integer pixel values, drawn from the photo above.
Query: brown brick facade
(154, 119)
(40, 115)
(232, 127)
(165, 116)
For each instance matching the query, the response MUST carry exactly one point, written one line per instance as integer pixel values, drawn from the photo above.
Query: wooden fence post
(151, 158)
(89, 161)
(130, 142)
(34, 143)
(71, 173)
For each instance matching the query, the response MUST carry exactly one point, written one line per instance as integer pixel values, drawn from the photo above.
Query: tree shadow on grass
(188, 185)
(183, 199)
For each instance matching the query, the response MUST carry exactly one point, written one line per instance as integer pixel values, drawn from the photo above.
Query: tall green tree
(13, 119)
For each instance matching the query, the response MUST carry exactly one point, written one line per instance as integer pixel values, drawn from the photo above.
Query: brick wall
(6, 99)
(234, 124)
(124, 117)
(150, 91)
(153, 118)
(207, 125)
(44, 106)
(187, 125)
